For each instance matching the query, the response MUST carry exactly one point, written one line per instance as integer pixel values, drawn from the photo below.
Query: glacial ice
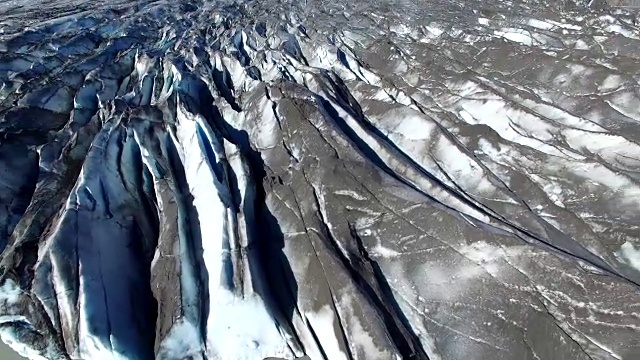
(340, 180)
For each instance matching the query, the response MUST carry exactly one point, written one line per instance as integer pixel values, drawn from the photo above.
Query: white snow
(9, 292)
(564, 25)
(624, 102)
(434, 30)
(408, 123)
(618, 29)
(553, 190)
(612, 148)
(611, 82)
(400, 29)
(358, 337)
(182, 341)
(484, 255)
(437, 281)
(323, 324)
(266, 131)
(544, 25)
(466, 116)
(382, 251)
(516, 35)
(464, 170)
(512, 124)
(614, 181)
(242, 328)
(629, 254)
(581, 45)
(350, 193)
(557, 114)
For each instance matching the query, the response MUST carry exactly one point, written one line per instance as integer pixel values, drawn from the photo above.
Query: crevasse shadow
(193, 237)
(273, 278)
(271, 273)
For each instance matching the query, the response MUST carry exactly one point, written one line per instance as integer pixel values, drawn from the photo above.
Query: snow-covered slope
(341, 180)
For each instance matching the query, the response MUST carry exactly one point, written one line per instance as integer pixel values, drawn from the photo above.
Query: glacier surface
(394, 179)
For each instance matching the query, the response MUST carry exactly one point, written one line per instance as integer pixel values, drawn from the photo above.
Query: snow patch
(10, 292)
(611, 82)
(434, 30)
(539, 24)
(182, 341)
(323, 324)
(581, 45)
(242, 328)
(353, 194)
(461, 168)
(512, 124)
(553, 190)
(516, 35)
(485, 255)
(412, 126)
(629, 254)
(400, 29)
(381, 251)
(358, 336)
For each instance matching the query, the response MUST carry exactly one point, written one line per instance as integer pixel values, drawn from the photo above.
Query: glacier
(319, 179)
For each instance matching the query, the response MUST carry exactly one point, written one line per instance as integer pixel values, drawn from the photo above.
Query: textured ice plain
(337, 179)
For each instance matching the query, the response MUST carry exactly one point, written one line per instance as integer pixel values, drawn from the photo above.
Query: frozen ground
(342, 180)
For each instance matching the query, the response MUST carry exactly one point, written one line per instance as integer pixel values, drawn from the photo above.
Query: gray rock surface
(331, 179)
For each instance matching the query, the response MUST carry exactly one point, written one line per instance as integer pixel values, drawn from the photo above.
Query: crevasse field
(392, 179)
